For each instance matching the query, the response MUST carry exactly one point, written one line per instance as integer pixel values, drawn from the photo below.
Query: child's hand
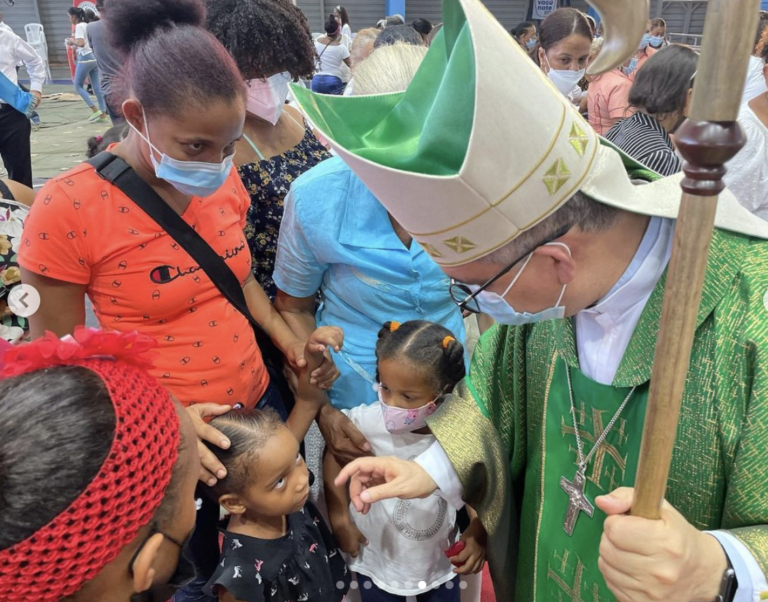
(317, 365)
(472, 557)
(348, 536)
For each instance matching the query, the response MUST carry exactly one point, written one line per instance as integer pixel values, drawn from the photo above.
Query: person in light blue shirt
(338, 239)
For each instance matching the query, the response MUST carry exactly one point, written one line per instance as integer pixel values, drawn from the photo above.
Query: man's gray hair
(580, 210)
(389, 69)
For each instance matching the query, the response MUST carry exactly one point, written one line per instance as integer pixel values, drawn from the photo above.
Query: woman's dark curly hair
(263, 36)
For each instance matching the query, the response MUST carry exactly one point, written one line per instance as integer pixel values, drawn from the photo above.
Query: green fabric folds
(423, 130)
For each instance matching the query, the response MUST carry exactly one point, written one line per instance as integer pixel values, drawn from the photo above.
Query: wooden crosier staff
(707, 140)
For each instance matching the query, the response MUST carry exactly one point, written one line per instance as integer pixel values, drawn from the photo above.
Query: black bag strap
(116, 171)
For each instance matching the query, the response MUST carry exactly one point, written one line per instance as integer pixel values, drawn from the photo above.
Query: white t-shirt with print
(406, 538)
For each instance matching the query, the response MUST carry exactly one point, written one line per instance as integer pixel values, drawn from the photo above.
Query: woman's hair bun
(133, 21)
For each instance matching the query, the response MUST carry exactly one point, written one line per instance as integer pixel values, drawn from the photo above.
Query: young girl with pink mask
(406, 548)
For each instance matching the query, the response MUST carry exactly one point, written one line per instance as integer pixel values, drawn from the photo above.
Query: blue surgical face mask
(193, 178)
(644, 42)
(502, 312)
(530, 43)
(628, 70)
(656, 41)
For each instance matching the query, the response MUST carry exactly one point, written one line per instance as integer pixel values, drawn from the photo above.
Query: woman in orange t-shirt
(85, 236)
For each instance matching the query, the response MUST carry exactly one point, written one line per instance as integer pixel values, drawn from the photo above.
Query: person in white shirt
(406, 548)
(755, 83)
(14, 126)
(331, 55)
(342, 16)
(4, 25)
(87, 67)
(747, 175)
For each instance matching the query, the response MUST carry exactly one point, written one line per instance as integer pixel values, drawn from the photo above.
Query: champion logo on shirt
(165, 274)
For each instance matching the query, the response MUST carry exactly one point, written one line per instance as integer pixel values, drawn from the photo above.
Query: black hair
(78, 14)
(429, 346)
(762, 32)
(661, 86)
(248, 431)
(263, 36)
(171, 61)
(522, 29)
(560, 24)
(332, 26)
(344, 14)
(399, 34)
(115, 134)
(423, 26)
(56, 429)
(90, 16)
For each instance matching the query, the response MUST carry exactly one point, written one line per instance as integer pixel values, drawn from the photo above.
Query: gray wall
(57, 27)
(18, 15)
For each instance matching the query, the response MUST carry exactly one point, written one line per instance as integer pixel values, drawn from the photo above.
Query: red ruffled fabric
(56, 560)
(86, 343)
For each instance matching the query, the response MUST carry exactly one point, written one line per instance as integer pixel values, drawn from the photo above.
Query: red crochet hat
(77, 544)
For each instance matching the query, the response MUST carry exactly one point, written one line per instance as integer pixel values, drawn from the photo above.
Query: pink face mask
(399, 420)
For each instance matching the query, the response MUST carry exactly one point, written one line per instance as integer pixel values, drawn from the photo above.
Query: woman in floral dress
(15, 200)
(271, 43)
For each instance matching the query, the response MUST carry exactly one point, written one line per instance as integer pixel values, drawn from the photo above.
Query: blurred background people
(86, 65)
(331, 55)
(108, 60)
(525, 34)
(424, 28)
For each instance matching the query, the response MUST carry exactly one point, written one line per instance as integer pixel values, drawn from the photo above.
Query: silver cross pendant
(577, 501)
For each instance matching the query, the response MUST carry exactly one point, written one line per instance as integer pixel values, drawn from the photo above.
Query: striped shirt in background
(644, 139)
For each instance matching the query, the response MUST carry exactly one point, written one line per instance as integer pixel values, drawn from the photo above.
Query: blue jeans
(87, 67)
(204, 545)
(447, 592)
(328, 84)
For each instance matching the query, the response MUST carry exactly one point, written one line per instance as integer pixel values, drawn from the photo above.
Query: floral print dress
(13, 328)
(268, 183)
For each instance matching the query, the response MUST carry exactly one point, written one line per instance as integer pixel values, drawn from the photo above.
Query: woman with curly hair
(271, 43)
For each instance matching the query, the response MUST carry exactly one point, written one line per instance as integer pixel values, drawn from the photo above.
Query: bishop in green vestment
(565, 242)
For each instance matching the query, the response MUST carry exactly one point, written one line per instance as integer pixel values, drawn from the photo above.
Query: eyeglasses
(466, 299)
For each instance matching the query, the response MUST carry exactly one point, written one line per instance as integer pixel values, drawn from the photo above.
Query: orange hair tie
(447, 341)
(393, 326)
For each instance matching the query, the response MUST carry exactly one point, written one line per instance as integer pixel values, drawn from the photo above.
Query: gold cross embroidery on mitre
(578, 139)
(556, 176)
(459, 244)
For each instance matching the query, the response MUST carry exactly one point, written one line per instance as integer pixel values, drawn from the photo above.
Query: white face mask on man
(496, 306)
(266, 98)
(565, 80)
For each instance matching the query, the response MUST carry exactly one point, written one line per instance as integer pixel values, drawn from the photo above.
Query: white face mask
(496, 306)
(565, 80)
(266, 98)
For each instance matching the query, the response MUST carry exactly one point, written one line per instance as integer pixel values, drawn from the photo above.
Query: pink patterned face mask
(399, 420)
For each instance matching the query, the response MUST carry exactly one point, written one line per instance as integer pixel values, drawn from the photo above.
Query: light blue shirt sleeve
(750, 576)
(297, 270)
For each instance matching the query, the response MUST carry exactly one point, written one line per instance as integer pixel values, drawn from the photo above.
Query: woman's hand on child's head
(348, 537)
(471, 559)
(375, 479)
(211, 469)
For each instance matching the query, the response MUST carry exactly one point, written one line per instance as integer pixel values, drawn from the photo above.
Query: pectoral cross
(577, 501)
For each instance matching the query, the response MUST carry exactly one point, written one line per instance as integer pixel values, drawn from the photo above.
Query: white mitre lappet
(481, 146)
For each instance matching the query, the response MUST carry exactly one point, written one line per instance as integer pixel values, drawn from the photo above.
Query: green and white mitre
(481, 146)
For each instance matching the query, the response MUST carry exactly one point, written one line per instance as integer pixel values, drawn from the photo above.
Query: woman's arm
(298, 313)
(288, 341)
(62, 305)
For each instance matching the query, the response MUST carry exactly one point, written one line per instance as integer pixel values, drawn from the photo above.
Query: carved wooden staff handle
(709, 138)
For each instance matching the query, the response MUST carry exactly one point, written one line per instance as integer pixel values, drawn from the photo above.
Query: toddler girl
(276, 547)
(399, 547)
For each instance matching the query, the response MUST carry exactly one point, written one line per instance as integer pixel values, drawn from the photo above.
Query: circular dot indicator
(339, 585)
(463, 584)
(422, 584)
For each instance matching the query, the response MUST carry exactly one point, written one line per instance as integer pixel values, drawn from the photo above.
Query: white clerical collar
(642, 274)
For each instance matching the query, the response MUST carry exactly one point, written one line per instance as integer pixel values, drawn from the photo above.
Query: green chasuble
(510, 436)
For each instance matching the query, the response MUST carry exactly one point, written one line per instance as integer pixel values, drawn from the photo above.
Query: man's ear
(144, 565)
(564, 262)
(232, 503)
